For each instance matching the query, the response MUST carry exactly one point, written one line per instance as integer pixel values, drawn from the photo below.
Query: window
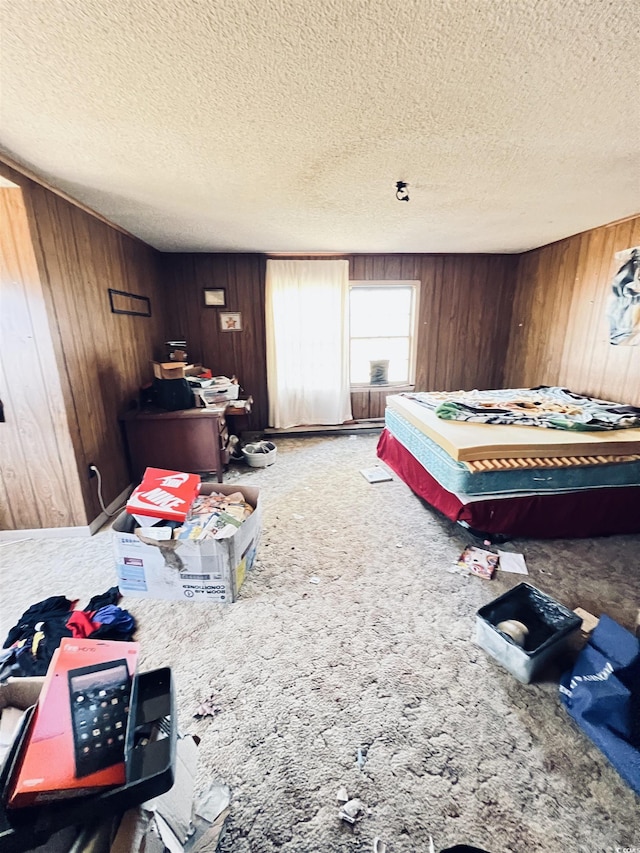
(383, 318)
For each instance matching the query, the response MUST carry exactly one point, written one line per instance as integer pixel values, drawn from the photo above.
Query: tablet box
(209, 570)
(75, 743)
(550, 625)
(151, 770)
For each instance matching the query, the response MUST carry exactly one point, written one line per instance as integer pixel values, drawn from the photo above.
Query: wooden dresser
(192, 440)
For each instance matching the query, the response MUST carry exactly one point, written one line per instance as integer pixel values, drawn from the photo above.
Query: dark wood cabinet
(192, 440)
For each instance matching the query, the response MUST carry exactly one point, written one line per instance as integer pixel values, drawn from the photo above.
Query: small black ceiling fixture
(402, 193)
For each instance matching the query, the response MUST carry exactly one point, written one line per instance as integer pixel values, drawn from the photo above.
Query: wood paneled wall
(370, 403)
(39, 483)
(226, 353)
(559, 330)
(102, 359)
(465, 311)
(465, 306)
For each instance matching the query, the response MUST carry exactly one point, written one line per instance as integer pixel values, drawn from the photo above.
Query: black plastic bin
(549, 623)
(150, 766)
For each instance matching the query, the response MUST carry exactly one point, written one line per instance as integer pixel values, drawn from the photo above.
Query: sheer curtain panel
(307, 342)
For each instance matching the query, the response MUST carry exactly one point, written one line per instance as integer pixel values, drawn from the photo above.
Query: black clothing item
(56, 607)
(50, 615)
(111, 596)
(172, 394)
(462, 848)
(20, 660)
(22, 664)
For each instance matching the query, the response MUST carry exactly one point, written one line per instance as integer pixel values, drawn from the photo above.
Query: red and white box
(76, 743)
(163, 495)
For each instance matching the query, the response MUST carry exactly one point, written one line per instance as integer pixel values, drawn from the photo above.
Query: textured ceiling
(283, 125)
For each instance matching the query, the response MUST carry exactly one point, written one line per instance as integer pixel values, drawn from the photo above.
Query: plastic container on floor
(260, 454)
(549, 625)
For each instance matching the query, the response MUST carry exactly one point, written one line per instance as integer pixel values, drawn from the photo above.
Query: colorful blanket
(544, 406)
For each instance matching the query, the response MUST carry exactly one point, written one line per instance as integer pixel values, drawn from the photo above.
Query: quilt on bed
(546, 406)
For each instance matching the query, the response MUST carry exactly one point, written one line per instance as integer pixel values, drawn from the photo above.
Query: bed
(516, 480)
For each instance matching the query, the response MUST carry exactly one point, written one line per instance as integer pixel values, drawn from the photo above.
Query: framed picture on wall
(231, 321)
(214, 297)
(122, 302)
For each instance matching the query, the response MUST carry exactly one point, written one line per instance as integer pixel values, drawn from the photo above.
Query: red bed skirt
(570, 515)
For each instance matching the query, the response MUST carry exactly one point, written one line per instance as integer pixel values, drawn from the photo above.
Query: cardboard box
(178, 819)
(16, 695)
(208, 570)
(76, 741)
(173, 809)
(174, 369)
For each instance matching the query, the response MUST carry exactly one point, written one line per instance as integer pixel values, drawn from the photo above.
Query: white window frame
(413, 332)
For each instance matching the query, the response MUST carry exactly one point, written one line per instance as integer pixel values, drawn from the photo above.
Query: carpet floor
(352, 632)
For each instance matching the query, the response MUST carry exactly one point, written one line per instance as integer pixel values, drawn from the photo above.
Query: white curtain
(307, 342)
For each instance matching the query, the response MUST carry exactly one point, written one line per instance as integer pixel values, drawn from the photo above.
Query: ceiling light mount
(402, 192)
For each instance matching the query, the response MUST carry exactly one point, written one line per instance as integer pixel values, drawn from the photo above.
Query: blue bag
(602, 694)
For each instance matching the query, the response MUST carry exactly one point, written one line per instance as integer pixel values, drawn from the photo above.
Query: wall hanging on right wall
(623, 308)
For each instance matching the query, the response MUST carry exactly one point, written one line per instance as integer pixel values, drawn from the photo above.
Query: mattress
(586, 513)
(457, 478)
(465, 441)
(545, 462)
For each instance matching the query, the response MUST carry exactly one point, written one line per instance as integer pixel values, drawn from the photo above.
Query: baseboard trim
(371, 425)
(45, 533)
(98, 522)
(80, 531)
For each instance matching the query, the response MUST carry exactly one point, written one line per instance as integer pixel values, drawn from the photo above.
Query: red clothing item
(81, 624)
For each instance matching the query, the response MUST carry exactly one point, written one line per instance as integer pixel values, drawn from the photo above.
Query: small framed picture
(231, 321)
(214, 297)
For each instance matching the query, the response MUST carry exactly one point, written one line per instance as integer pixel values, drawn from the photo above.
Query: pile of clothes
(30, 644)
